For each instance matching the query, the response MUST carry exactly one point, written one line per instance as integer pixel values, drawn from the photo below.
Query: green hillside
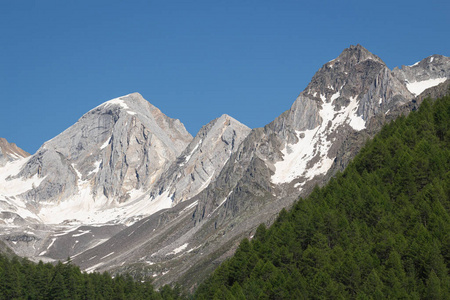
(379, 230)
(22, 279)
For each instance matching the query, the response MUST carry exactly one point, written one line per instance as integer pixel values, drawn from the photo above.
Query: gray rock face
(10, 152)
(119, 147)
(424, 74)
(202, 160)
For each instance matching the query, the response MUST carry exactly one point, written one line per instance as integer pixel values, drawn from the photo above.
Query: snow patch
(296, 157)
(431, 59)
(418, 87)
(415, 64)
(314, 143)
(186, 160)
(221, 203)
(86, 210)
(10, 188)
(179, 249)
(9, 221)
(190, 206)
(335, 96)
(83, 232)
(192, 249)
(105, 144)
(356, 122)
(118, 101)
(51, 244)
(107, 255)
(13, 187)
(93, 268)
(48, 247)
(79, 175)
(96, 167)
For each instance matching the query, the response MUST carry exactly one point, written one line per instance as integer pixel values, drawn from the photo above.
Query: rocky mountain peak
(10, 152)
(356, 85)
(351, 57)
(112, 154)
(353, 64)
(202, 160)
(356, 54)
(227, 128)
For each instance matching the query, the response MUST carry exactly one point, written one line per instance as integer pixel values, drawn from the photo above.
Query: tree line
(23, 279)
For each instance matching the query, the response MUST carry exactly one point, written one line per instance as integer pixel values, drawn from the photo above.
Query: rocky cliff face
(113, 154)
(202, 160)
(424, 74)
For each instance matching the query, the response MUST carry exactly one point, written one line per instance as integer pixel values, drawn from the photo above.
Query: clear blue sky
(195, 60)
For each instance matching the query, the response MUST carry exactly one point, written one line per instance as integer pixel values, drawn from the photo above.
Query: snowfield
(314, 143)
(418, 87)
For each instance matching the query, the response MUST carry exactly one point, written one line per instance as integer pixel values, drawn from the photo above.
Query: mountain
(378, 230)
(10, 152)
(202, 160)
(122, 161)
(110, 157)
(199, 164)
(127, 189)
(346, 103)
(354, 238)
(87, 183)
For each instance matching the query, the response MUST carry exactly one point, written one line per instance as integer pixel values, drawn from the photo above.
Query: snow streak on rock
(315, 144)
(419, 86)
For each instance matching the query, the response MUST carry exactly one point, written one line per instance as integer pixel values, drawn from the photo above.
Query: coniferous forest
(379, 230)
(22, 279)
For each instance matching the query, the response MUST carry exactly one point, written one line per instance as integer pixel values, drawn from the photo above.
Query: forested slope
(22, 279)
(380, 229)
